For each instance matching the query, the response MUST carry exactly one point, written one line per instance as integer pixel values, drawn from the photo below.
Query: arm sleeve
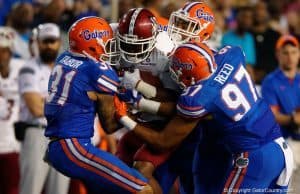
(104, 79)
(190, 107)
(28, 81)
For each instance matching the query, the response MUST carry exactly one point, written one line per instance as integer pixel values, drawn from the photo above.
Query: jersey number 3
(234, 96)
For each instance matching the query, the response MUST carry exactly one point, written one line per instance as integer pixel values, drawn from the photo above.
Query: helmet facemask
(135, 50)
(183, 28)
(176, 77)
(111, 53)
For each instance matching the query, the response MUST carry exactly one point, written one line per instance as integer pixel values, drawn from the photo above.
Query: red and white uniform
(9, 100)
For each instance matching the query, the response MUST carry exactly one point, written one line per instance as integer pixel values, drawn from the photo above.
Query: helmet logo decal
(87, 35)
(178, 65)
(201, 14)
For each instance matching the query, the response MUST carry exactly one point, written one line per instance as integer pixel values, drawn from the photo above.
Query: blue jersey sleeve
(104, 78)
(233, 54)
(189, 104)
(268, 92)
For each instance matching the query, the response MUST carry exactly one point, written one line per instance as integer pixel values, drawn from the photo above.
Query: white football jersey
(158, 64)
(9, 92)
(34, 77)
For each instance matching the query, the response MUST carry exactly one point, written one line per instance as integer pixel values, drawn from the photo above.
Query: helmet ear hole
(92, 49)
(206, 36)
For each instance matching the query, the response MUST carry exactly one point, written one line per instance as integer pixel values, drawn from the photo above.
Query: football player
(137, 45)
(9, 112)
(79, 80)
(195, 21)
(221, 87)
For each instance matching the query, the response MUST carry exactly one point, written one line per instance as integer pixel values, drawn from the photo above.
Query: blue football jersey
(69, 111)
(243, 120)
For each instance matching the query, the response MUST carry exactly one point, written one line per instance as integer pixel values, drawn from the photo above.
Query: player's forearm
(165, 109)
(168, 138)
(35, 103)
(283, 119)
(105, 110)
(112, 144)
(165, 95)
(109, 124)
(157, 140)
(37, 110)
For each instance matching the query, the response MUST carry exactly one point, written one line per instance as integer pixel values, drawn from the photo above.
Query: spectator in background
(20, 19)
(9, 113)
(155, 7)
(33, 84)
(5, 9)
(55, 11)
(215, 42)
(51, 13)
(242, 37)
(265, 39)
(278, 20)
(293, 19)
(169, 8)
(225, 7)
(281, 89)
(124, 6)
(84, 8)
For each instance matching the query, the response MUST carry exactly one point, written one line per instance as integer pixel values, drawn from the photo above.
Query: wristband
(148, 106)
(146, 89)
(128, 122)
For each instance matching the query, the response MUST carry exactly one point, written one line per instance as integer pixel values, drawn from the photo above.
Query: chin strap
(90, 56)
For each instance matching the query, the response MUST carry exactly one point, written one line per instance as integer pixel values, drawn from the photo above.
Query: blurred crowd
(255, 25)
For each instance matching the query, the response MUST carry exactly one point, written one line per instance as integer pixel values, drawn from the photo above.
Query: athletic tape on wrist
(146, 89)
(148, 106)
(128, 122)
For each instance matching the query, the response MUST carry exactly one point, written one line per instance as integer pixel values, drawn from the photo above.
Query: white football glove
(4, 108)
(130, 79)
(164, 43)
